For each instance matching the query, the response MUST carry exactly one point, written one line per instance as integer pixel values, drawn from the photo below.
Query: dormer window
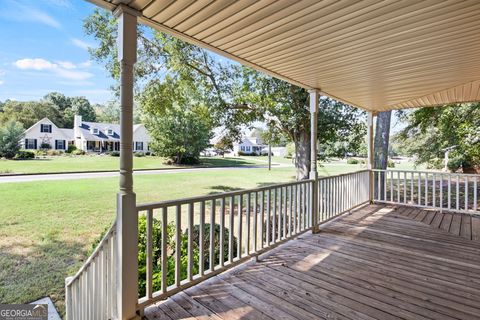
(94, 130)
(46, 128)
(110, 132)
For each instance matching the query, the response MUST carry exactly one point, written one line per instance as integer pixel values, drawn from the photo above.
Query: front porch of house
(334, 253)
(102, 146)
(377, 262)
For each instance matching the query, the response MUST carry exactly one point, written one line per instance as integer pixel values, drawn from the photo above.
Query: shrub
(435, 163)
(390, 164)
(40, 153)
(352, 161)
(10, 135)
(78, 152)
(71, 148)
(171, 245)
(54, 152)
(115, 154)
(139, 154)
(24, 154)
(45, 145)
(456, 163)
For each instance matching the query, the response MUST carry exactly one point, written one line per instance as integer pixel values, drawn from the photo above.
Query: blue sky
(43, 48)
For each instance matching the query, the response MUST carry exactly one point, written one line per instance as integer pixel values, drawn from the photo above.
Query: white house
(101, 137)
(248, 145)
(86, 136)
(45, 134)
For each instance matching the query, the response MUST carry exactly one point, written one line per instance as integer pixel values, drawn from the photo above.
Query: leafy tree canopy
(55, 106)
(430, 131)
(10, 136)
(236, 96)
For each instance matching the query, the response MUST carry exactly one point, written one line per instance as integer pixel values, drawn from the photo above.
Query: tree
(109, 112)
(59, 100)
(30, 112)
(223, 145)
(236, 96)
(430, 131)
(68, 107)
(382, 138)
(10, 136)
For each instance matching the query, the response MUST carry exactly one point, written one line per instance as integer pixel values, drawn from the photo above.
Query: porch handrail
(90, 293)
(259, 218)
(456, 192)
(247, 224)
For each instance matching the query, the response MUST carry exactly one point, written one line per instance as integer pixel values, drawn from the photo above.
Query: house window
(110, 132)
(242, 148)
(247, 148)
(30, 143)
(138, 145)
(60, 144)
(95, 131)
(46, 128)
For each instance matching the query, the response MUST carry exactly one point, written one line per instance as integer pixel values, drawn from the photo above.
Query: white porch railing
(247, 222)
(181, 249)
(90, 293)
(445, 191)
(341, 193)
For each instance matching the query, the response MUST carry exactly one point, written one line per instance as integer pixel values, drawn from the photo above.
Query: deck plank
(379, 262)
(475, 228)
(466, 227)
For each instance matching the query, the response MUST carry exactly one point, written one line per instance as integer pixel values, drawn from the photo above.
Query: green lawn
(47, 227)
(99, 163)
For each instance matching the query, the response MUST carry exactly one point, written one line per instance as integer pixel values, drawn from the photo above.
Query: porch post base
(127, 261)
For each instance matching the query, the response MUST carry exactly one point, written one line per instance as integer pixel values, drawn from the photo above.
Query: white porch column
(127, 219)
(314, 97)
(370, 155)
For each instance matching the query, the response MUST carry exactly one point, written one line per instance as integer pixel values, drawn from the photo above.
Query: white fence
(178, 247)
(444, 191)
(341, 193)
(91, 293)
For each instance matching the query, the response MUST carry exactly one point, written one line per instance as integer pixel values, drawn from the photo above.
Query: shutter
(35, 143)
(56, 144)
(64, 145)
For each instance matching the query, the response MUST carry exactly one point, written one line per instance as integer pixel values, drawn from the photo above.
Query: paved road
(93, 175)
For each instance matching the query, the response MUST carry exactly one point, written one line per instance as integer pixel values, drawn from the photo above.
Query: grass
(48, 227)
(101, 163)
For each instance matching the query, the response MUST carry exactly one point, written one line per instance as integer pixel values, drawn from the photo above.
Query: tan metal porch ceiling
(374, 54)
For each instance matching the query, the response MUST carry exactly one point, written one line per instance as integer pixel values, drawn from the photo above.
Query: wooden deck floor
(377, 263)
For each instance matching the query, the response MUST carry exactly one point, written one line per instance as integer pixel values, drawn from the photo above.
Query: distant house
(248, 145)
(46, 135)
(86, 136)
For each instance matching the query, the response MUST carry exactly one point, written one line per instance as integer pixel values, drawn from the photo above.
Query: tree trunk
(302, 155)
(382, 137)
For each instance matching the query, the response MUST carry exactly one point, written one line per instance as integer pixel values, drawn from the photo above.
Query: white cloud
(20, 12)
(35, 64)
(63, 69)
(86, 64)
(1, 82)
(81, 44)
(66, 64)
(60, 3)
